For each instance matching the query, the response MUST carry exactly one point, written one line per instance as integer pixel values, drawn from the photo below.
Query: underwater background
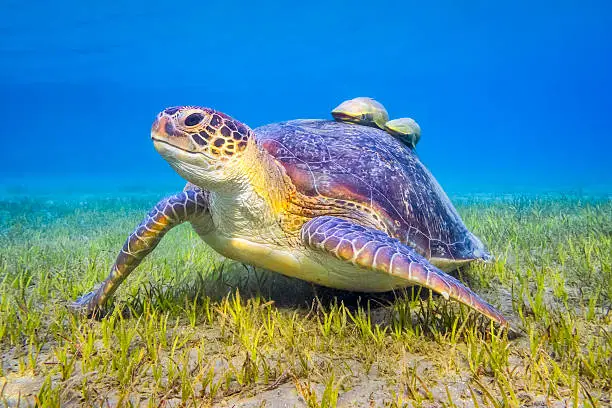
(511, 96)
(515, 104)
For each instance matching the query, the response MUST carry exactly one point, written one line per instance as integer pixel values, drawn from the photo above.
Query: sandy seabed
(190, 328)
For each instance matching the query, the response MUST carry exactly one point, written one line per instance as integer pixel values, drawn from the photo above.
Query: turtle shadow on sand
(229, 278)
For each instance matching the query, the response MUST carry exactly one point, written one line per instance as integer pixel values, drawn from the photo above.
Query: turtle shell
(367, 165)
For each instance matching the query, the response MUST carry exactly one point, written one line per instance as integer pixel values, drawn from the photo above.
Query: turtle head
(201, 144)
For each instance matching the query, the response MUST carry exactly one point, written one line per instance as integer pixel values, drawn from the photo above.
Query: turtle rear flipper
(374, 250)
(167, 214)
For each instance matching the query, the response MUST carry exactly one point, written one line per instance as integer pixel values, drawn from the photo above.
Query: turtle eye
(193, 119)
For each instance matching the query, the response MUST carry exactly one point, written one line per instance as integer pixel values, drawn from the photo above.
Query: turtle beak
(162, 128)
(163, 131)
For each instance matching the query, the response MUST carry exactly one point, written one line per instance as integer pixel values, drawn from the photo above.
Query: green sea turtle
(338, 204)
(369, 112)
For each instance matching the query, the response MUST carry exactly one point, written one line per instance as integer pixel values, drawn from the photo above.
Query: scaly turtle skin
(404, 129)
(337, 204)
(363, 111)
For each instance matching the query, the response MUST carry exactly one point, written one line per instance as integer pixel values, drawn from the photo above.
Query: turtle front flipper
(374, 250)
(189, 205)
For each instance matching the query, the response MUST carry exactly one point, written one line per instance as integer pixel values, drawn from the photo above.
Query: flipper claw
(85, 305)
(186, 206)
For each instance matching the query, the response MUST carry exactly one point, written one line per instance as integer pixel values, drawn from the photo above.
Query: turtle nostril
(169, 128)
(193, 119)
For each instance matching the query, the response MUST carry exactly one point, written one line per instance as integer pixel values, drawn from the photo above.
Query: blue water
(511, 96)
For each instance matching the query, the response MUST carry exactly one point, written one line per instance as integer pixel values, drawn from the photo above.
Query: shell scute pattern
(363, 166)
